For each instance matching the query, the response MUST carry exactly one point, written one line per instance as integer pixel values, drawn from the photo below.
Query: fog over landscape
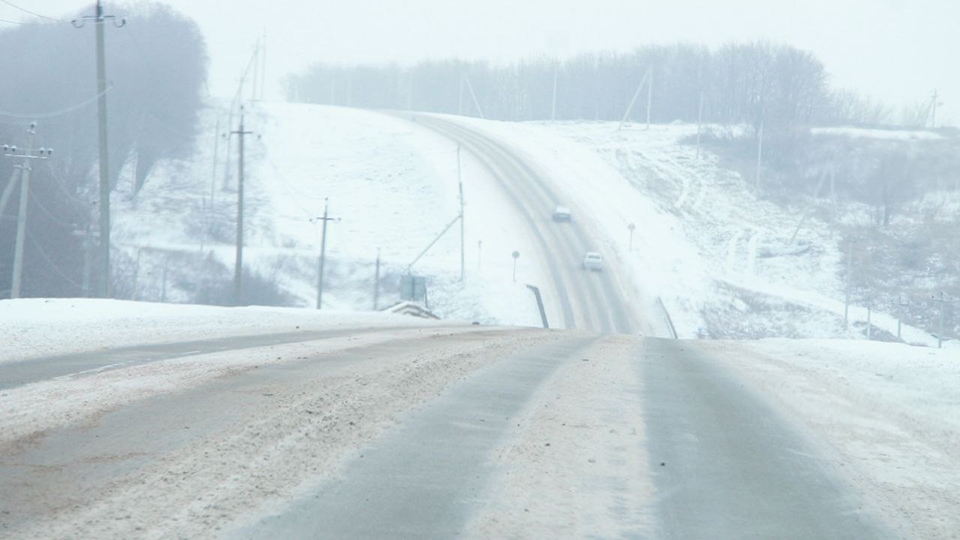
(479, 269)
(894, 50)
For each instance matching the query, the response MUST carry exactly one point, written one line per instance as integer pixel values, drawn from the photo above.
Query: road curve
(593, 301)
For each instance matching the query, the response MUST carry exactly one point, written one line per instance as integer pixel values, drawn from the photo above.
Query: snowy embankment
(32, 328)
(885, 414)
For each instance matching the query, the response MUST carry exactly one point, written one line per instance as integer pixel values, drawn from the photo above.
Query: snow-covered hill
(728, 264)
(390, 185)
(725, 263)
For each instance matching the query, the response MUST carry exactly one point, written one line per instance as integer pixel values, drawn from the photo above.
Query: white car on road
(593, 261)
(561, 213)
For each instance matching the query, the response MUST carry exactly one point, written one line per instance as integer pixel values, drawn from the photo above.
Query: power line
(51, 216)
(14, 6)
(11, 22)
(99, 18)
(57, 177)
(52, 264)
(61, 112)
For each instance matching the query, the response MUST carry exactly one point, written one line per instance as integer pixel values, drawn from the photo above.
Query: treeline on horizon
(759, 82)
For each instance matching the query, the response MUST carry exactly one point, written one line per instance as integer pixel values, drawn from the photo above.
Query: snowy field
(885, 414)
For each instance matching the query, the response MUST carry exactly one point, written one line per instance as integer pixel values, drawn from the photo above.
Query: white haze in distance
(894, 50)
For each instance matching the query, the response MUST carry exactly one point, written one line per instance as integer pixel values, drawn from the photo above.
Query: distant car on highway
(593, 261)
(561, 213)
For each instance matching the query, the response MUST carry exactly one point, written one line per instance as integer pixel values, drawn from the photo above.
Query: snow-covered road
(603, 302)
(486, 432)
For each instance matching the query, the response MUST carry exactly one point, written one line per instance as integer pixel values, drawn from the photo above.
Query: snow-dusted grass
(888, 416)
(882, 134)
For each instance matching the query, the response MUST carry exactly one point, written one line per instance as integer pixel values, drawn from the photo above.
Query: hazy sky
(896, 50)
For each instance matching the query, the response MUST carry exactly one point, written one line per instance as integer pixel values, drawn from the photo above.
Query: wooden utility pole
(238, 264)
(942, 299)
(699, 123)
(463, 247)
(25, 169)
(759, 156)
(376, 284)
(649, 96)
(633, 100)
(99, 19)
(323, 252)
(553, 108)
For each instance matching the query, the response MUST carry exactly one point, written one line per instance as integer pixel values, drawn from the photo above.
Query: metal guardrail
(666, 314)
(410, 308)
(543, 312)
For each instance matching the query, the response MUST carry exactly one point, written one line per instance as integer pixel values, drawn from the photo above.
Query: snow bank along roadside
(576, 464)
(36, 327)
(887, 414)
(34, 409)
(281, 439)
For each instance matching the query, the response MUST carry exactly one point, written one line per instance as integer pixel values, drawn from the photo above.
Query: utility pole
(631, 227)
(649, 96)
(263, 66)
(460, 100)
(99, 19)
(759, 155)
(376, 285)
(238, 264)
(633, 100)
(255, 87)
(869, 323)
(943, 308)
(85, 287)
(27, 154)
(846, 301)
(699, 123)
(462, 233)
(163, 290)
(515, 255)
(479, 253)
(216, 155)
(473, 94)
(553, 108)
(902, 303)
(933, 109)
(323, 252)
